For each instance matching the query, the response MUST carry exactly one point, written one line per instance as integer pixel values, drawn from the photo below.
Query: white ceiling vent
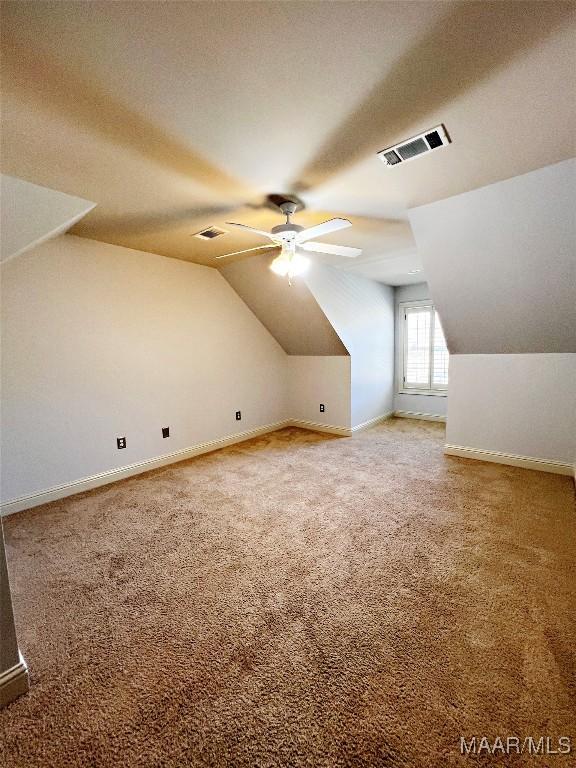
(417, 145)
(210, 233)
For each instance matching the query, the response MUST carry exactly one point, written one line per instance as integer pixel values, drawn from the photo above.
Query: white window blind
(440, 356)
(425, 353)
(418, 347)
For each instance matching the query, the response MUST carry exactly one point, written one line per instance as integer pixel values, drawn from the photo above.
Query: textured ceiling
(173, 116)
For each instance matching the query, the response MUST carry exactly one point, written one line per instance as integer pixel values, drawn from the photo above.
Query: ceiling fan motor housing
(286, 231)
(289, 207)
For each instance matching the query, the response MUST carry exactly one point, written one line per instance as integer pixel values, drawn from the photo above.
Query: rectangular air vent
(417, 145)
(210, 233)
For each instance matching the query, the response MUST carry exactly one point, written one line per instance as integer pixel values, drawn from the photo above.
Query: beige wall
(8, 644)
(101, 341)
(314, 380)
(523, 405)
(13, 670)
(362, 313)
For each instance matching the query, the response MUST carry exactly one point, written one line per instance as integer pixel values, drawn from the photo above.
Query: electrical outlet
(322, 407)
(165, 431)
(121, 442)
(238, 415)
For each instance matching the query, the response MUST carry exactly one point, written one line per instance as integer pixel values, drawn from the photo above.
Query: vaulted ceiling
(291, 313)
(172, 116)
(501, 263)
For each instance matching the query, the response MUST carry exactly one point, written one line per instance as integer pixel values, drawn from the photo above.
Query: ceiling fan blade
(332, 225)
(251, 229)
(248, 250)
(336, 250)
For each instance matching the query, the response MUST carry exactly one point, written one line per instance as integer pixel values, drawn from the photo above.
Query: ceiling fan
(292, 239)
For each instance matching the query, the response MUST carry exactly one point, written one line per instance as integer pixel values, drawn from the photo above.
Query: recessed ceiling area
(177, 116)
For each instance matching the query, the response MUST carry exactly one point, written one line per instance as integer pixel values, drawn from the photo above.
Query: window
(424, 354)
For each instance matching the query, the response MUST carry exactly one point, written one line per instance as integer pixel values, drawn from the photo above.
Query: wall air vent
(210, 233)
(416, 146)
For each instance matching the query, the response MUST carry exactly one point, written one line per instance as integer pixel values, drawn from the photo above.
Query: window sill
(426, 392)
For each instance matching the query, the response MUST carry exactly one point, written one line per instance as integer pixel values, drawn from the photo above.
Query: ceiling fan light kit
(289, 264)
(291, 238)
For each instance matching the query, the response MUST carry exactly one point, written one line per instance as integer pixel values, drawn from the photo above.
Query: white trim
(401, 387)
(331, 429)
(418, 415)
(13, 682)
(425, 392)
(317, 427)
(526, 462)
(112, 475)
(372, 422)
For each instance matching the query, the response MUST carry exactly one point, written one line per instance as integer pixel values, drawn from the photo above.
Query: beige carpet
(297, 600)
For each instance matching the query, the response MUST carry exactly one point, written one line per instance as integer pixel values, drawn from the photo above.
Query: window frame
(402, 389)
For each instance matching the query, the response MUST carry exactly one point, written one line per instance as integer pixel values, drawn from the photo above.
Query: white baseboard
(418, 415)
(112, 475)
(317, 427)
(120, 473)
(526, 462)
(372, 422)
(104, 478)
(331, 429)
(13, 682)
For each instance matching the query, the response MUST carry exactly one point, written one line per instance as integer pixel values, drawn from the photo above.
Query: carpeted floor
(297, 600)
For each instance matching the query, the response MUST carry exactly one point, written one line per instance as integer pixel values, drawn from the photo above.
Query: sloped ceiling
(501, 263)
(362, 312)
(173, 116)
(30, 214)
(289, 312)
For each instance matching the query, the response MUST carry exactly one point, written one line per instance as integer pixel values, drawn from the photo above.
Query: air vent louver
(417, 145)
(392, 158)
(210, 233)
(413, 148)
